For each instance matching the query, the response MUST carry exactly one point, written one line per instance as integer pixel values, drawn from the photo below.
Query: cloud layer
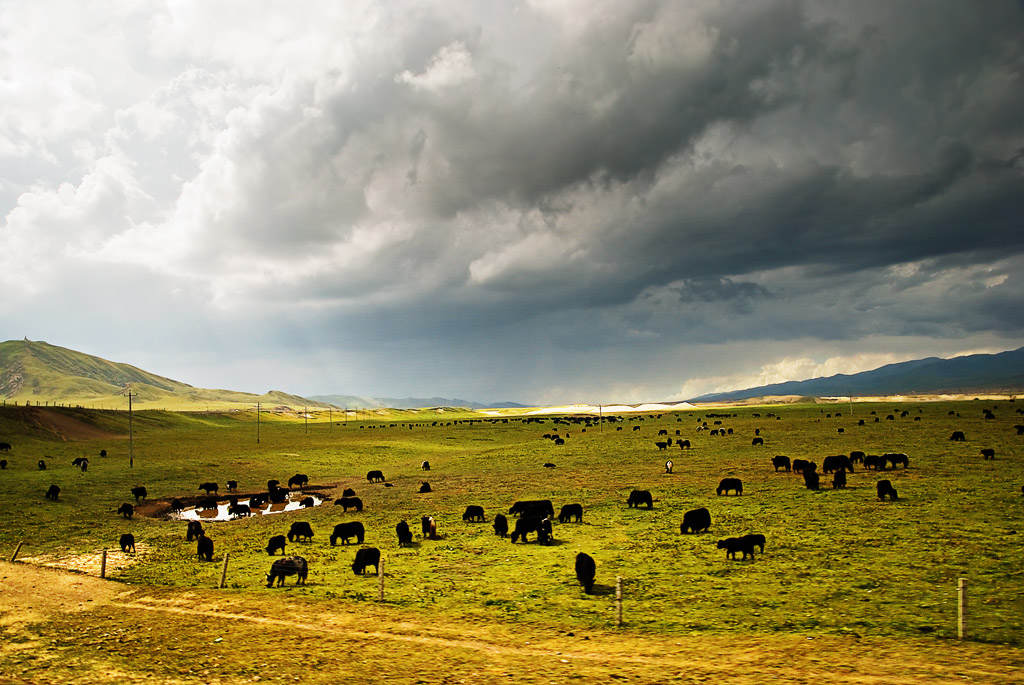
(549, 201)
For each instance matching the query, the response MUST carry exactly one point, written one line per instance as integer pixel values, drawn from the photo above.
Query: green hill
(38, 373)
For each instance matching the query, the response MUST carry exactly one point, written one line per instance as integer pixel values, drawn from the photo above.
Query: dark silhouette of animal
(757, 441)
(204, 548)
(500, 525)
(209, 487)
(177, 506)
(799, 465)
(811, 479)
(194, 531)
(474, 512)
(237, 510)
(348, 492)
(549, 465)
(839, 479)
(3, 464)
(571, 512)
(896, 459)
(425, 487)
(368, 556)
(836, 462)
(638, 497)
(278, 495)
(53, 492)
(207, 503)
(636, 428)
(662, 432)
(347, 530)
(404, 534)
(988, 453)
(347, 502)
(884, 488)
(5, 447)
(958, 436)
(856, 456)
(683, 444)
(755, 540)
(873, 461)
(127, 542)
(42, 465)
(257, 501)
(375, 476)
(780, 461)
(78, 461)
(275, 543)
(586, 570)
(300, 530)
(533, 507)
(727, 484)
(530, 524)
(733, 545)
(695, 521)
(232, 485)
(307, 502)
(425, 466)
(126, 510)
(103, 453)
(272, 484)
(289, 566)
(298, 480)
(662, 445)
(1019, 428)
(428, 527)
(668, 466)
(139, 492)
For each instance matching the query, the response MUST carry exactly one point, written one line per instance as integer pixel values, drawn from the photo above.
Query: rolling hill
(359, 402)
(971, 374)
(40, 373)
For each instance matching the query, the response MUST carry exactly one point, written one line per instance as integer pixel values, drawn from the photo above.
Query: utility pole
(257, 423)
(131, 432)
(305, 418)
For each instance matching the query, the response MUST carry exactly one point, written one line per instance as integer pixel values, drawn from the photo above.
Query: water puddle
(221, 512)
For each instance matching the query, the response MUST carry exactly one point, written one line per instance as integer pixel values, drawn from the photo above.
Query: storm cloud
(544, 201)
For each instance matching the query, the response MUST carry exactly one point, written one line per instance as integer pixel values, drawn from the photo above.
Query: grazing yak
(661, 445)
(958, 436)
(237, 510)
(874, 461)
(755, 540)
(346, 502)
(683, 444)
(5, 447)
(42, 465)
(53, 492)
(348, 492)
(275, 543)
(425, 487)
(757, 441)
(812, 479)
(139, 492)
(425, 466)
(988, 453)
(530, 524)
(571, 512)
(500, 525)
(586, 570)
(298, 480)
(549, 465)
(3, 464)
(733, 545)
(856, 456)
(836, 462)
(347, 530)
(404, 534)
(727, 484)
(638, 497)
(290, 566)
(307, 502)
(839, 479)
(695, 521)
(474, 512)
(533, 507)
(780, 461)
(194, 531)
(207, 503)
(799, 465)
(668, 466)
(428, 527)
(126, 510)
(209, 487)
(273, 484)
(80, 462)
(300, 530)
(368, 556)
(896, 458)
(232, 485)
(204, 548)
(278, 496)
(884, 488)
(177, 506)
(375, 476)
(127, 542)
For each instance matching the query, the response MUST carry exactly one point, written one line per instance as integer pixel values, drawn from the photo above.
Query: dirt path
(68, 627)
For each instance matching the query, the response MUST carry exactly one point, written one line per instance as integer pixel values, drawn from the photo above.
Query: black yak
(290, 566)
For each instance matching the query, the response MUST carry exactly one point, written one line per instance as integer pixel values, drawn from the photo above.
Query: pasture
(837, 564)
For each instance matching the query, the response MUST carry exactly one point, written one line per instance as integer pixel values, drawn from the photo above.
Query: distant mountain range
(358, 402)
(971, 374)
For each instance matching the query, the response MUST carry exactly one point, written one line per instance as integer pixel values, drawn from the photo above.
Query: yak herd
(533, 517)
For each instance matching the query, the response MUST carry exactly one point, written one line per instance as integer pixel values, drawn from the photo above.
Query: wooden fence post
(961, 591)
(618, 601)
(103, 564)
(223, 571)
(380, 580)
(16, 550)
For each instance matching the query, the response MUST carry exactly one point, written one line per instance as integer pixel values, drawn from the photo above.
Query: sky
(546, 202)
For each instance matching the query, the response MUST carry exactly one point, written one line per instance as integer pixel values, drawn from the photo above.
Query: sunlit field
(836, 562)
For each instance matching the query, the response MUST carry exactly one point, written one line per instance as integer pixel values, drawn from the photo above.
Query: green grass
(836, 562)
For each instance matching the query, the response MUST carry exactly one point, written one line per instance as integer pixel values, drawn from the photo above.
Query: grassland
(839, 566)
